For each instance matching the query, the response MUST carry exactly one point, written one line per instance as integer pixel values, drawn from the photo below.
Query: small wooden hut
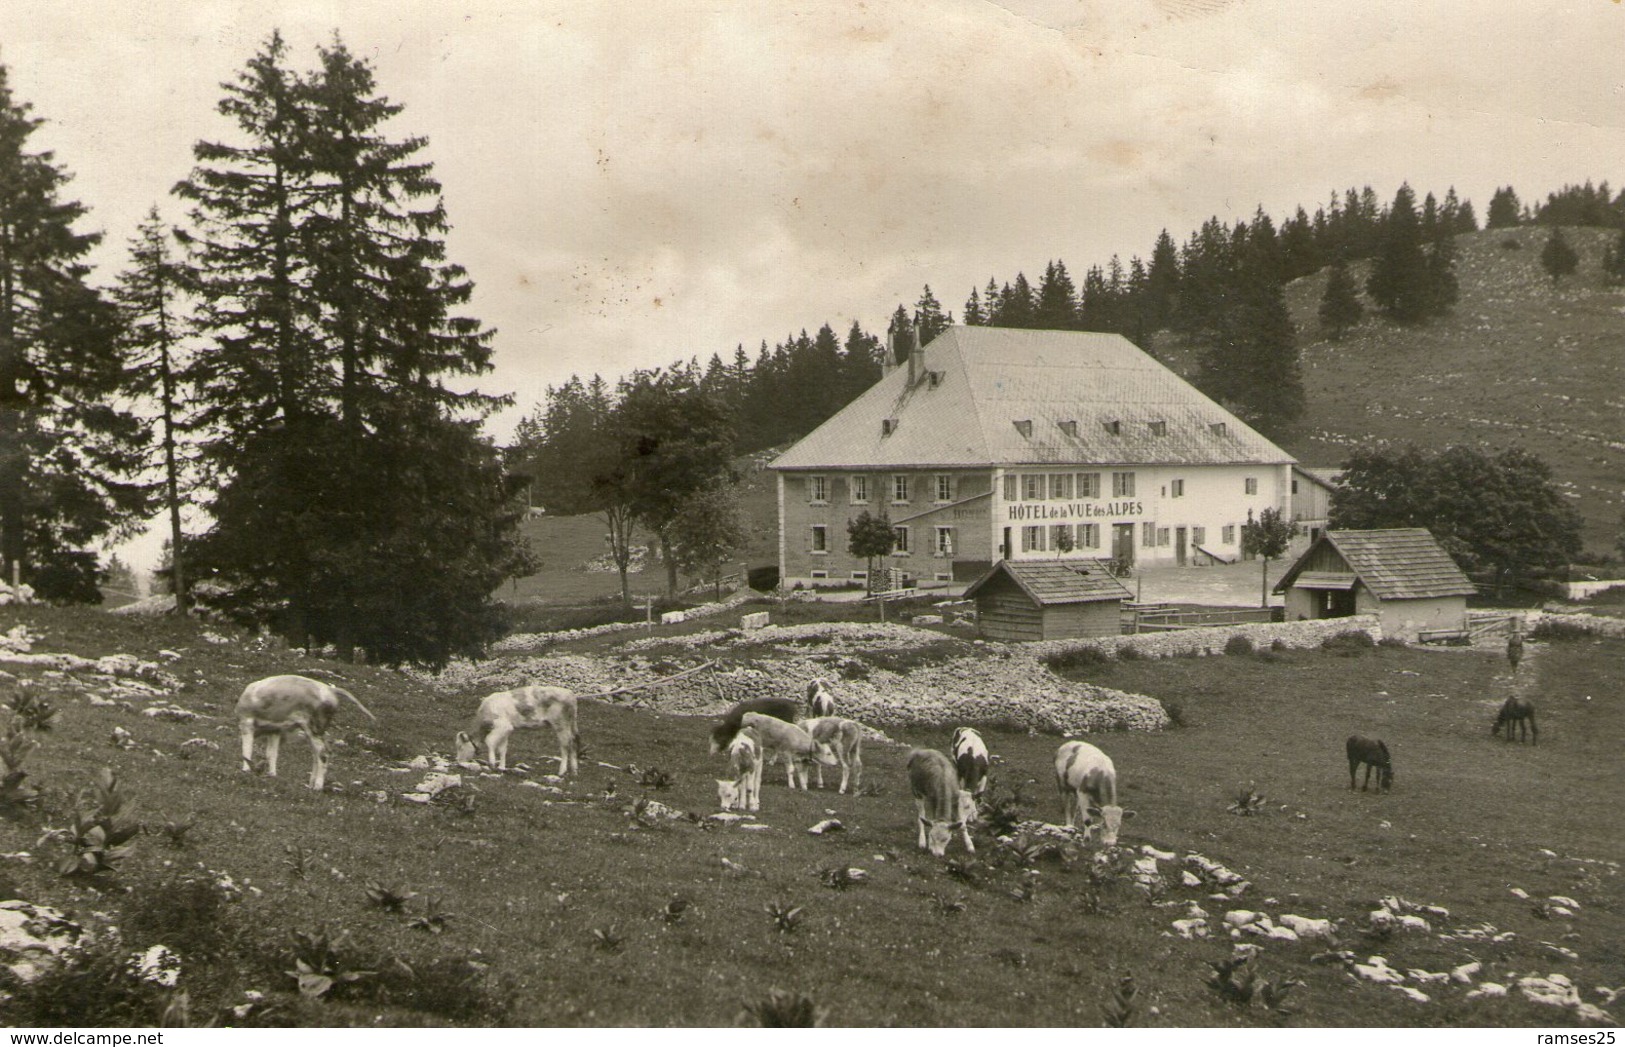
(1402, 575)
(1047, 600)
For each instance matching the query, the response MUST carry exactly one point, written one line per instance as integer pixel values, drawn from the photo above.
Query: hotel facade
(994, 444)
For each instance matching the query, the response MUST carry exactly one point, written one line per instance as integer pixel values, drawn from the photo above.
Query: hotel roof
(1005, 397)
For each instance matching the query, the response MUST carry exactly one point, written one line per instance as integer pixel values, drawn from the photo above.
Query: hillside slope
(1520, 362)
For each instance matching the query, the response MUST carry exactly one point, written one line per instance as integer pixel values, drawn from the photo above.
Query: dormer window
(1159, 428)
(1070, 428)
(934, 377)
(1218, 429)
(888, 426)
(1114, 427)
(1025, 427)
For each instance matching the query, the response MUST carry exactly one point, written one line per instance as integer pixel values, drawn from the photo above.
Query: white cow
(821, 698)
(744, 790)
(970, 760)
(504, 712)
(279, 704)
(778, 738)
(942, 806)
(845, 740)
(1087, 782)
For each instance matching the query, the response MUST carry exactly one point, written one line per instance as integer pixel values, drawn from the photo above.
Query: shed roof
(1053, 582)
(1400, 563)
(1066, 388)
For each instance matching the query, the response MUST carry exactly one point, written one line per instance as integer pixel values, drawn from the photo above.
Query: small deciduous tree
(708, 527)
(1267, 538)
(870, 537)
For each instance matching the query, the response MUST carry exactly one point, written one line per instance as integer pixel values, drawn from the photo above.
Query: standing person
(1515, 646)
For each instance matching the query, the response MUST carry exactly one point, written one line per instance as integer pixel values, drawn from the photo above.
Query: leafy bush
(318, 965)
(15, 792)
(32, 711)
(96, 989)
(188, 913)
(1176, 714)
(1239, 646)
(1077, 658)
(1559, 631)
(1349, 643)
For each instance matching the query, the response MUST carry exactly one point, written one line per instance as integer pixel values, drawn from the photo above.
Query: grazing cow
(845, 740)
(722, 735)
(1515, 712)
(821, 698)
(1372, 754)
(279, 704)
(744, 791)
(1087, 782)
(970, 758)
(778, 738)
(505, 712)
(943, 808)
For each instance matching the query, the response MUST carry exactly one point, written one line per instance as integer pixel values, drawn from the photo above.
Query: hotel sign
(1063, 511)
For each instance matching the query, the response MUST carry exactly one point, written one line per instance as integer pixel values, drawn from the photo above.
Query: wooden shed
(1402, 575)
(1047, 600)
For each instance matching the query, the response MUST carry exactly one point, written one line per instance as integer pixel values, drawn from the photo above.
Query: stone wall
(1211, 640)
(1591, 623)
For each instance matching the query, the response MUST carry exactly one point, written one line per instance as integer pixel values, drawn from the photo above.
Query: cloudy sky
(632, 183)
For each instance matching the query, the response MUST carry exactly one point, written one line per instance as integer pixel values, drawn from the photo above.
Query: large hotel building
(994, 443)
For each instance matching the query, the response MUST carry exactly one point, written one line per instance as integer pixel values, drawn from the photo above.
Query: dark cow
(722, 735)
(1515, 713)
(1373, 754)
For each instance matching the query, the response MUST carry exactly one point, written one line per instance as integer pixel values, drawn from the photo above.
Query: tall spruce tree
(1399, 280)
(1505, 211)
(928, 318)
(66, 452)
(1613, 262)
(1251, 361)
(1340, 307)
(153, 296)
(1558, 257)
(1057, 308)
(333, 314)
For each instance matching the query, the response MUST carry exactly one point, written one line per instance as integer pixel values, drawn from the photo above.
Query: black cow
(1515, 713)
(1372, 753)
(722, 735)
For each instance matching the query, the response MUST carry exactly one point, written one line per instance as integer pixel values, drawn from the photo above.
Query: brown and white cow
(845, 740)
(505, 712)
(1087, 782)
(279, 704)
(943, 808)
(778, 738)
(970, 760)
(722, 735)
(744, 790)
(821, 698)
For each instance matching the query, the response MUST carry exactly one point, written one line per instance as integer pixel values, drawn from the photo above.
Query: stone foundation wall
(1203, 642)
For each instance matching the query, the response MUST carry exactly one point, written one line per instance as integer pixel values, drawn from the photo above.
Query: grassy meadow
(512, 904)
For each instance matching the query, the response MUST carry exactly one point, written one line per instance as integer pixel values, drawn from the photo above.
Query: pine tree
(1057, 308)
(1252, 359)
(152, 295)
(1340, 307)
(1399, 280)
(1558, 257)
(1505, 211)
(333, 314)
(928, 319)
(1613, 263)
(66, 451)
(1162, 283)
(973, 310)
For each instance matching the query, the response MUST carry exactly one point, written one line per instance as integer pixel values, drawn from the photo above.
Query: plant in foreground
(782, 1009)
(1119, 1010)
(606, 939)
(389, 899)
(785, 916)
(1247, 802)
(103, 831)
(318, 967)
(434, 919)
(15, 745)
